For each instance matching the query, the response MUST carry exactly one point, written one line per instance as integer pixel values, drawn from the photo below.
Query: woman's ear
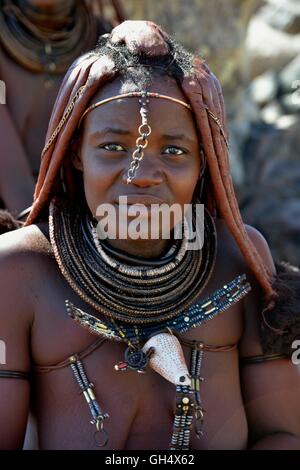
(75, 154)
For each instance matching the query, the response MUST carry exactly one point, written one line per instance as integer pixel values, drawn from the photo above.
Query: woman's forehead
(161, 84)
(124, 113)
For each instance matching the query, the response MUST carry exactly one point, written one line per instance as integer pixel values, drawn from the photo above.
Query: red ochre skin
(23, 128)
(24, 121)
(241, 406)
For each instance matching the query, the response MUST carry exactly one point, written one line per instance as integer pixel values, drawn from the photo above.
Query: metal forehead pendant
(141, 141)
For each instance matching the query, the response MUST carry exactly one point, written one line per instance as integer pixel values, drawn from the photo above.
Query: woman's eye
(113, 147)
(174, 151)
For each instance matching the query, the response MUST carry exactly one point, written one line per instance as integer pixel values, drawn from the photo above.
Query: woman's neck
(147, 249)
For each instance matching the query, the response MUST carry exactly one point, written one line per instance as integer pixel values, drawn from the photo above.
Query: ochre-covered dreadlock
(202, 90)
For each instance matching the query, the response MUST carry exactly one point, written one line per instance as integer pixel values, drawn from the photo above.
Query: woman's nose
(147, 174)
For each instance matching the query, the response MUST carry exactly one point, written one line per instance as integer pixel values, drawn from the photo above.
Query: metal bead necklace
(145, 296)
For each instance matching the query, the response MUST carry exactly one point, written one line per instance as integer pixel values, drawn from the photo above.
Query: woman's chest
(139, 408)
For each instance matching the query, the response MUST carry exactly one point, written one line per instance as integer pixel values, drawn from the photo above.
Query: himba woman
(143, 343)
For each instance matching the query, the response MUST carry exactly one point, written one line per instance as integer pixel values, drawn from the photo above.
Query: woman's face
(172, 161)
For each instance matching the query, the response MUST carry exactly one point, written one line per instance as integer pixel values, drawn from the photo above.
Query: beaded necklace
(128, 294)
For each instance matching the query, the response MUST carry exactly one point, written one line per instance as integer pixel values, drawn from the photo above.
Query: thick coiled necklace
(122, 292)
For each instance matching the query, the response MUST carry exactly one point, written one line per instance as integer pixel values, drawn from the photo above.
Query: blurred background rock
(253, 46)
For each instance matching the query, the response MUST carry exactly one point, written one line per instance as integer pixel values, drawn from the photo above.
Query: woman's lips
(140, 199)
(139, 205)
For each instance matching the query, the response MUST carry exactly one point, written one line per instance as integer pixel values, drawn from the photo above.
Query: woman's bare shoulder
(24, 245)
(227, 241)
(24, 259)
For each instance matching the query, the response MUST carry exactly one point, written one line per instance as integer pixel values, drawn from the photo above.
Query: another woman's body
(24, 119)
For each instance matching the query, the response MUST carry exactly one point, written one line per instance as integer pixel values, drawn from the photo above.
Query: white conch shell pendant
(168, 359)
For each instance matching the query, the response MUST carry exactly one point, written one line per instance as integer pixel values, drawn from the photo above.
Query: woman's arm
(271, 389)
(15, 323)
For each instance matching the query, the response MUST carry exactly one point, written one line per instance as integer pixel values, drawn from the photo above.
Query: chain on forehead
(142, 141)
